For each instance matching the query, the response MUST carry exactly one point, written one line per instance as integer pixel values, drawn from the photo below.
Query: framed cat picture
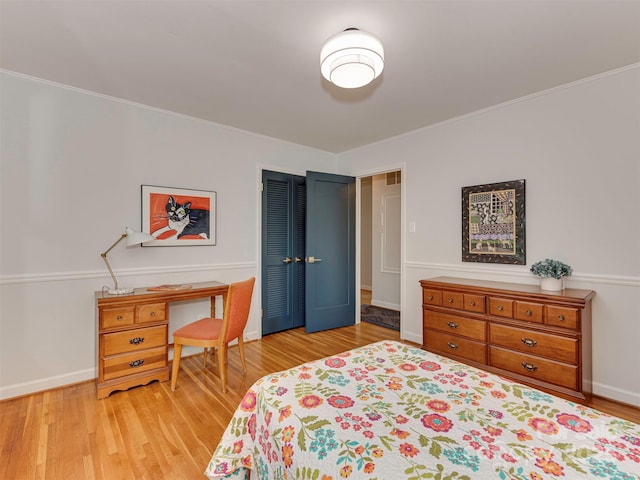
(178, 216)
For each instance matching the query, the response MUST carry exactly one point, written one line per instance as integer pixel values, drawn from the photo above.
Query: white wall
(578, 147)
(72, 164)
(365, 234)
(385, 262)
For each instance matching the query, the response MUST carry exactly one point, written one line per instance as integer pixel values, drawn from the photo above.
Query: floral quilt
(392, 411)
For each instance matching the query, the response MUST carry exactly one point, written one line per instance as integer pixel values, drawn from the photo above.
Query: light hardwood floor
(150, 432)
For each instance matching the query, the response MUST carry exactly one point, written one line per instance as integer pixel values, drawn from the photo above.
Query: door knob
(313, 260)
(287, 260)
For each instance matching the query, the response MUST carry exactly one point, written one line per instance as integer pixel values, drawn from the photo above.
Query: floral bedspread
(392, 411)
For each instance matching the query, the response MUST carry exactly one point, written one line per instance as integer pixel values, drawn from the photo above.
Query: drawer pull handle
(450, 300)
(529, 342)
(119, 317)
(528, 313)
(500, 308)
(136, 363)
(452, 345)
(473, 304)
(136, 340)
(430, 297)
(529, 367)
(452, 325)
(153, 314)
(561, 318)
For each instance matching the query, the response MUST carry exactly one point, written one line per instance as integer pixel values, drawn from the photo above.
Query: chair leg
(204, 358)
(177, 352)
(222, 366)
(241, 350)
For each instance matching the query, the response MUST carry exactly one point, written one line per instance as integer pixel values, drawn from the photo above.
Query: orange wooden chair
(216, 332)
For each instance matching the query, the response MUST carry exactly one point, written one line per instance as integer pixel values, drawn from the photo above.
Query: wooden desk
(133, 336)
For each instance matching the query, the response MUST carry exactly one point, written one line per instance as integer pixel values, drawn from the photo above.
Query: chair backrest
(236, 309)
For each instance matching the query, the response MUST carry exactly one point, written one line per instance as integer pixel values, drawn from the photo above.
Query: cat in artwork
(184, 220)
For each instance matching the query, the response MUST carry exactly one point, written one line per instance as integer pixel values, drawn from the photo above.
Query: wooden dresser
(133, 334)
(519, 331)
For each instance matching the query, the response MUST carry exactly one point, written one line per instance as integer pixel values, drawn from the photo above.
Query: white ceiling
(254, 65)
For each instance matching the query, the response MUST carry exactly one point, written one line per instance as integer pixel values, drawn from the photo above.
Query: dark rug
(382, 317)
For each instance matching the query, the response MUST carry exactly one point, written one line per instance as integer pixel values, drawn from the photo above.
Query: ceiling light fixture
(352, 59)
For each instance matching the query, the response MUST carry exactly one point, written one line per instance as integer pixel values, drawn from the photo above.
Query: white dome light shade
(352, 59)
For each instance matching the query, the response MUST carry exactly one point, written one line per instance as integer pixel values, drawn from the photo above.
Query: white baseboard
(616, 394)
(411, 337)
(391, 306)
(42, 384)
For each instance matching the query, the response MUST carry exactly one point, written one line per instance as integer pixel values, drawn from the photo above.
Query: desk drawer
(153, 312)
(116, 317)
(134, 340)
(466, 327)
(535, 343)
(135, 362)
(534, 367)
(453, 345)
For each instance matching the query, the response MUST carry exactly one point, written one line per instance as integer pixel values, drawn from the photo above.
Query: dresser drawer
(453, 345)
(527, 311)
(501, 307)
(431, 297)
(534, 367)
(474, 303)
(135, 362)
(562, 317)
(534, 343)
(116, 317)
(466, 327)
(134, 340)
(153, 312)
(452, 299)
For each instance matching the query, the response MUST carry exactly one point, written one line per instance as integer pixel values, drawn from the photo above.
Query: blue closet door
(283, 242)
(330, 248)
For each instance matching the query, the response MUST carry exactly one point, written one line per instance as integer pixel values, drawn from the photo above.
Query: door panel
(282, 225)
(330, 247)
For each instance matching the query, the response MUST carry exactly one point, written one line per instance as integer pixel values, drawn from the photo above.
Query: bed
(393, 411)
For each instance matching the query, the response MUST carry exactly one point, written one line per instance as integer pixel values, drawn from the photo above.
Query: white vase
(551, 284)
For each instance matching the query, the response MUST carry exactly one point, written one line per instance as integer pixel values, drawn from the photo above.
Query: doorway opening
(380, 245)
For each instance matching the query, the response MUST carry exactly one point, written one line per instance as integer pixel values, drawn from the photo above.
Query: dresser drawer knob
(561, 318)
(529, 342)
(452, 345)
(430, 297)
(119, 317)
(452, 325)
(136, 363)
(136, 340)
(530, 367)
(153, 314)
(450, 300)
(528, 313)
(473, 304)
(500, 308)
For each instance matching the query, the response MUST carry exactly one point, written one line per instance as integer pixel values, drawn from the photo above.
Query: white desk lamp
(133, 238)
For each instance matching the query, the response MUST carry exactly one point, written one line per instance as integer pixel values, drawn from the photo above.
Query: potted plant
(551, 273)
